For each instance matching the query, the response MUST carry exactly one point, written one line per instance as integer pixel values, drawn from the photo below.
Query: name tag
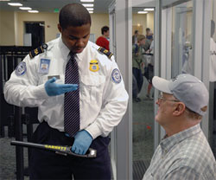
(56, 76)
(44, 66)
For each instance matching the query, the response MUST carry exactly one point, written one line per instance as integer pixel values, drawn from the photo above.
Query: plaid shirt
(183, 156)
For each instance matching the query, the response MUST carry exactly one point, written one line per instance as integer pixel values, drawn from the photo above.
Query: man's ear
(59, 28)
(179, 109)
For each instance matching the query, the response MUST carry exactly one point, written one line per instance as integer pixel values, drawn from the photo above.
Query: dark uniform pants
(49, 165)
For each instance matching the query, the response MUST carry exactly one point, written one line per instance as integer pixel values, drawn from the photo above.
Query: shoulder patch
(116, 76)
(20, 69)
(105, 51)
(38, 50)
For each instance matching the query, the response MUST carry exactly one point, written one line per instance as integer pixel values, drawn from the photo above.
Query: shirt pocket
(44, 78)
(91, 88)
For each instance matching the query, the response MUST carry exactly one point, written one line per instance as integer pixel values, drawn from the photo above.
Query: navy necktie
(71, 101)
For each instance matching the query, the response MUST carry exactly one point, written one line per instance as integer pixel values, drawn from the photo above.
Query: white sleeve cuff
(40, 92)
(94, 130)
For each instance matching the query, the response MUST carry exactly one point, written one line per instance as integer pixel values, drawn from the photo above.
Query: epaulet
(38, 50)
(105, 51)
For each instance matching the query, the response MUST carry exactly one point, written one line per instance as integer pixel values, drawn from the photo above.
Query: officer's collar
(66, 52)
(64, 49)
(82, 55)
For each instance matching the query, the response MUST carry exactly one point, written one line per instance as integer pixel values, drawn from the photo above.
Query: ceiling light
(90, 9)
(25, 8)
(33, 11)
(149, 9)
(87, 0)
(14, 4)
(91, 12)
(88, 5)
(142, 12)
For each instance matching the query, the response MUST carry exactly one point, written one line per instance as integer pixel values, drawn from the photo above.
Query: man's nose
(80, 42)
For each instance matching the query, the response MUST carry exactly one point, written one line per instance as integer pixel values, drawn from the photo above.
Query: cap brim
(161, 84)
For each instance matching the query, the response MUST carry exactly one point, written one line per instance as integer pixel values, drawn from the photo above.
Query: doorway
(36, 29)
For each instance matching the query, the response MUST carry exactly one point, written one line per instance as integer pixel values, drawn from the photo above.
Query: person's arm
(185, 173)
(23, 89)
(114, 105)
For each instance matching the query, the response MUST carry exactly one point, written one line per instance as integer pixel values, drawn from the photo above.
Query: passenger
(103, 40)
(72, 79)
(212, 63)
(184, 152)
(134, 37)
(138, 65)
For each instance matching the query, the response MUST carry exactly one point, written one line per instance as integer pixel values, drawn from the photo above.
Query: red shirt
(103, 42)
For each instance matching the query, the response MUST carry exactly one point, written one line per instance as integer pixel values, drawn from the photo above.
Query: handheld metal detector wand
(62, 150)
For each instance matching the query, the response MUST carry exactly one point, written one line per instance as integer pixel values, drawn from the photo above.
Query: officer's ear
(59, 28)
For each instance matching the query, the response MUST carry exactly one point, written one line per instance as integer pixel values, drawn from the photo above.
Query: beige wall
(150, 21)
(50, 20)
(12, 25)
(140, 19)
(9, 21)
(7, 28)
(145, 20)
(98, 21)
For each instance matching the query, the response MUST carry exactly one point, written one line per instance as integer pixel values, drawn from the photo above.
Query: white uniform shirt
(103, 100)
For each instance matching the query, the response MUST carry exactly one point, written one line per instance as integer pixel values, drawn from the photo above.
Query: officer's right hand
(54, 89)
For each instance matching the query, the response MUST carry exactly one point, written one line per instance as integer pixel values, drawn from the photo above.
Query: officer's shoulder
(41, 49)
(38, 50)
(103, 51)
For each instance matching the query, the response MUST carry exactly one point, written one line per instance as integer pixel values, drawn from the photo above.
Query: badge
(44, 66)
(94, 67)
(20, 69)
(116, 76)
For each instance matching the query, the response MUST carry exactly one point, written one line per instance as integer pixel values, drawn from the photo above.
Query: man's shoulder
(42, 48)
(101, 52)
(195, 151)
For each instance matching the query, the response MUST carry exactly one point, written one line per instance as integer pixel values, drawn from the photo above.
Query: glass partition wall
(182, 39)
(143, 93)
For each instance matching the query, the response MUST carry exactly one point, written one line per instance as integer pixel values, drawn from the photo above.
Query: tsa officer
(81, 97)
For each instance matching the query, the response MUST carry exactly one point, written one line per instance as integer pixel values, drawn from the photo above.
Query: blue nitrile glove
(82, 141)
(54, 89)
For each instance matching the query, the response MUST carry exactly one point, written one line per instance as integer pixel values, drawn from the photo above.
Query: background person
(134, 37)
(103, 40)
(138, 65)
(212, 63)
(184, 152)
(149, 69)
(98, 99)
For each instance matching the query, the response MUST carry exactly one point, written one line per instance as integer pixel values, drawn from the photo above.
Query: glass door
(185, 41)
(143, 92)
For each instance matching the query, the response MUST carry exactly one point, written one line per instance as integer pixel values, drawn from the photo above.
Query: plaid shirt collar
(168, 142)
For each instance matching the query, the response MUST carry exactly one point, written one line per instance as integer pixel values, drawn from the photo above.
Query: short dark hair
(104, 29)
(147, 29)
(136, 31)
(74, 15)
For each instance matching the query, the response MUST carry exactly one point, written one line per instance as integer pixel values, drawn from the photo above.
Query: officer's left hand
(82, 141)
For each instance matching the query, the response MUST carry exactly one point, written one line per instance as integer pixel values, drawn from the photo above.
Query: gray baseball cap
(186, 88)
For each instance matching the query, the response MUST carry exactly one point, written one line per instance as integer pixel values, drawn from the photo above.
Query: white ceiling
(100, 6)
